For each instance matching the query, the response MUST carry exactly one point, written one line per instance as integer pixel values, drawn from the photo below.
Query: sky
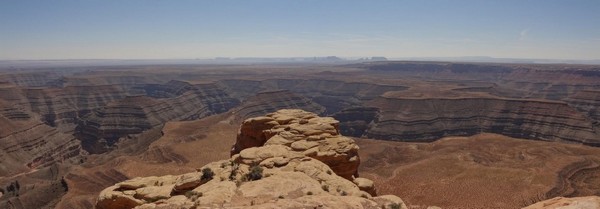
(161, 29)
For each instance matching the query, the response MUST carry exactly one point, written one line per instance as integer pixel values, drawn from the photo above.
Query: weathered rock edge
(589, 202)
(287, 159)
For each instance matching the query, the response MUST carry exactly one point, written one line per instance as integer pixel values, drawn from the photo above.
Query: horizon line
(349, 58)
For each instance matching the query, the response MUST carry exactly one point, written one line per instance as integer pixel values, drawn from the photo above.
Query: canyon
(77, 130)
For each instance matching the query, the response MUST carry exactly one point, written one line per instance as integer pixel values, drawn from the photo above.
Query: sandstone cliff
(286, 159)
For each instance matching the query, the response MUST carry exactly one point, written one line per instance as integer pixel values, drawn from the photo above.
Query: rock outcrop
(305, 132)
(287, 159)
(589, 202)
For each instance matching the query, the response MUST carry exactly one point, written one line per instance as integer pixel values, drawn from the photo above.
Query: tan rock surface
(316, 137)
(589, 202)
(365, 185)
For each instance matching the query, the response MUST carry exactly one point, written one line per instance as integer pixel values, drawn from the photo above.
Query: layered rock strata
(587, 102)
(279, 173)
(487, 71)
(32, 79)
(61, 107)
(27, 143)
(101, 128)
(428, 119)
(333, 95)
(270, 101)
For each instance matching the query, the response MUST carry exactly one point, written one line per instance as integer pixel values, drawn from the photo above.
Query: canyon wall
(103, 127)
(428, 119)
(27, 143)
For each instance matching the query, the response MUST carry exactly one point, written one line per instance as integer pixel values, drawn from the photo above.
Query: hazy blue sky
(132, 29)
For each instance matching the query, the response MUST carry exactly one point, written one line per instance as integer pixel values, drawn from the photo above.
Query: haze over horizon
(137, 29)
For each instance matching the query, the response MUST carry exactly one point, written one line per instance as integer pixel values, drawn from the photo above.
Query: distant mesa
(325, 59)
(373, 59)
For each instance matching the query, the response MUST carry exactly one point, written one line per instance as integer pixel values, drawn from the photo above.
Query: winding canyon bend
(425, 129)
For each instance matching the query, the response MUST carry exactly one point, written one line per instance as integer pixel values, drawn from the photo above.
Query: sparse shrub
(280, 197)
(189, 194)
(395, 206)
(154, 199)
(234, 168)
(10, 188)
(207, 174)
(309, 193)
(329, 172)
(344, 193)
(193, 195)
(325, 187)
(64, 184)
(13, 187)
(255, 173)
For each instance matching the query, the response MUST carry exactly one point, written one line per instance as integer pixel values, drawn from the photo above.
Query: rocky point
(287, 159)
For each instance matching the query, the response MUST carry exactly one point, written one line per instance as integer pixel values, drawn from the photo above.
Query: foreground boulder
(288, 159)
